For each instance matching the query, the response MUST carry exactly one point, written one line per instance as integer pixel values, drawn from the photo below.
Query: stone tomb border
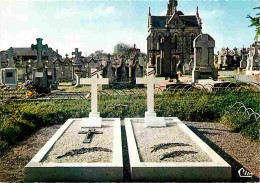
(37, 171)
(216, 170)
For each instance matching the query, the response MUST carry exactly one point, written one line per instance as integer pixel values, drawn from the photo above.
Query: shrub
(240, 122)
(252, 131)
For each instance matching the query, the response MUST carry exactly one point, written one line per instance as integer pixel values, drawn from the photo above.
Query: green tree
(122, 48)
(98, 53)
(255, 21)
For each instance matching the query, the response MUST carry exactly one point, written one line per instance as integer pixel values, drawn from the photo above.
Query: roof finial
(172, 7)
(149, 11)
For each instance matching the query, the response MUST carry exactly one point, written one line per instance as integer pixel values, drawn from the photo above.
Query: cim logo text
(244, 173)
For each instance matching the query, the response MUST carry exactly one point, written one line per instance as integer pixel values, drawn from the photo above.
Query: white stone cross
(94, 119)
(150, 116)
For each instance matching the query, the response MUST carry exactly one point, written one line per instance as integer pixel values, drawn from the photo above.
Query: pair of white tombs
(214, 168)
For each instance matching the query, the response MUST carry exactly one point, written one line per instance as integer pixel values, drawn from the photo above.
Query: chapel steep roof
(159, 22)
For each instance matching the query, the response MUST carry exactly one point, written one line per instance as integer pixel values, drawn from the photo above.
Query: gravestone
(51, 69)
(191, 65)
(151, 119)
(204, 67)
(77, 66)
(243, 61)
(9, 75)
(186, 69)
(64, 69)
(253, 60)
(39, 73)
(167, 66)
(139, 71)
(78, 152)
(77, 55)
(94, 119)
(150, 156)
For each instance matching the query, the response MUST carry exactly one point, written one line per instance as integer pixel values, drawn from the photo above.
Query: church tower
(172, 7)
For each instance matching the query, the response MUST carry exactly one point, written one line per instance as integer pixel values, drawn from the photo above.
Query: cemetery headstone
(77, 55)
(151, 119)
(87, 154)
(204, 67)
(51, 69)
(253, 60)
(243, 61)
(9, 75)
(39, 73)
(94, 119)
(168, 60)
(191, 65)
(186, 69)
(77, 66)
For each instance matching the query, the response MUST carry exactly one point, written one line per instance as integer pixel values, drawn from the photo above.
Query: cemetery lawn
(23, 119)
(69, 88)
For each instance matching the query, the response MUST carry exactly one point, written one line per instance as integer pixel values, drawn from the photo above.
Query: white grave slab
(94, 119)
(40, 170)
(186, 168)
(151, 119)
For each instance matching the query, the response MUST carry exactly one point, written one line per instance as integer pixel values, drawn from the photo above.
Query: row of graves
(37, 63)
(46, 67)
(247, 59)
(120, 69)
(159, 148)
(201, 66)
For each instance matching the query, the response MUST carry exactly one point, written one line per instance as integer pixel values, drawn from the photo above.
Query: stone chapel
(170, 40)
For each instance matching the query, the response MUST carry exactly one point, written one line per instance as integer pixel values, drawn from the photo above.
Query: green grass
(233, 80)
(70, 88)
(24, 118)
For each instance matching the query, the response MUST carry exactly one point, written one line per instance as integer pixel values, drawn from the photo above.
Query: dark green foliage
(240, 122)
(122, 48)
(255, 22)
(252, 130)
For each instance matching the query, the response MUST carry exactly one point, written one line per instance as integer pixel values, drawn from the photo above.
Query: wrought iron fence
(180, 101)
(239, 106)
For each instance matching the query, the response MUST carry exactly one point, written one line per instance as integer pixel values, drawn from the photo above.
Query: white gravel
(146, 138)
(71, 140)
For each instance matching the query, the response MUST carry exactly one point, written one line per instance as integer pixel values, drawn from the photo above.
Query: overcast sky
(99, 24)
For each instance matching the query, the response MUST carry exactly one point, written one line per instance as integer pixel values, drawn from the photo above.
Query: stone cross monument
(39, 75)
(10, 54)
(94, 119)
(204, 58)
(150, 116)
(77, 55)
(40, 48)
(78, 65)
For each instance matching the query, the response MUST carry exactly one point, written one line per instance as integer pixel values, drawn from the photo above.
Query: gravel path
(237, 150)
(246, 79)
(13, 161)
(173, 141)
(233, 147)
